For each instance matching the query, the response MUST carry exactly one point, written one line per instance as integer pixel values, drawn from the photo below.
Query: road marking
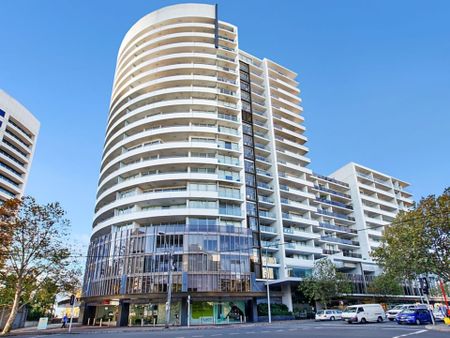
(216, 335)
(410, 334)
(233, 333)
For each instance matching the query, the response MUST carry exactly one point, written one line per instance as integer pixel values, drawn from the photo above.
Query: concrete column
(184, 312)
(286, 297)
(124, 311)
(251, 311)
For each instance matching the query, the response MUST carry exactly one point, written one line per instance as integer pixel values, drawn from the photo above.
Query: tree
(38, 255)
(8, 211)
(325, 283)
(385, 285)
(418, 241)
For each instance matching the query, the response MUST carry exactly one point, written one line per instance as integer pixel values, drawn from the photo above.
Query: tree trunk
(13, 313)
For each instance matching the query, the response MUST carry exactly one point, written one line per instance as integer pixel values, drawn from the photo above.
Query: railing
(265, 199)
(268, 214)
(339, 204)
(329, 179)
(335, 214)
(351, 254)
(331, 191)
(339, 240)
(330, 252)
(336, 227)
(264, 185)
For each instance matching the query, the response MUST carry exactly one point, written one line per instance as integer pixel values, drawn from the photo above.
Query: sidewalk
(439, 327)
(77, 328)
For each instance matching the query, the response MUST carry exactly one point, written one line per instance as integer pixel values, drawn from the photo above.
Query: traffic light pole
(72, 301)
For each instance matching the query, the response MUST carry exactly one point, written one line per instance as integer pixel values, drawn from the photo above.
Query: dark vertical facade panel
(216, 27)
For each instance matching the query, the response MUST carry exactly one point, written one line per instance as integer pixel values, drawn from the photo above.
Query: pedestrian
(64, 322)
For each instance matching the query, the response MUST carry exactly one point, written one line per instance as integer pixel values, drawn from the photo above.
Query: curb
(439, 327)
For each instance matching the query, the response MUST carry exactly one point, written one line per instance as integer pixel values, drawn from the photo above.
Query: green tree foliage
(8, 212)
(385, 285)
(38, 262)
(325, 283)
(418, 241)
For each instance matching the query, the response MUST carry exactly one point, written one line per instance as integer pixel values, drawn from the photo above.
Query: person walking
(64, 322)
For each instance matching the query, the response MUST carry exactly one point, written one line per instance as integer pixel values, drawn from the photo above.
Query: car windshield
(409, 312)
(320, 312)
(350, 309)
(398, 307)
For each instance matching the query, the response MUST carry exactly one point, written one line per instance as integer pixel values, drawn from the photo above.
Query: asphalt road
(305, 329)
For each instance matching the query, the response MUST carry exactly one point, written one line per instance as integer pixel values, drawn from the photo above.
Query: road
(307, 329)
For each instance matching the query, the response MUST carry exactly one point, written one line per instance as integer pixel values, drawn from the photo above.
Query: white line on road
(410, 334)
(216, 335)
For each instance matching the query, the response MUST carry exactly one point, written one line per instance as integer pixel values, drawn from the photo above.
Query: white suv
(392, 313)
(329, 315)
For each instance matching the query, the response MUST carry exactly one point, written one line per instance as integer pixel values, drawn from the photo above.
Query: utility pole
(72, 302)
(189, 311)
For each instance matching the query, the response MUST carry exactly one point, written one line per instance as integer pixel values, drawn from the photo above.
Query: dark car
(414, 316)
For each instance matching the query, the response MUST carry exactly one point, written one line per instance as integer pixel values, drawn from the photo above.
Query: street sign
(72, 300)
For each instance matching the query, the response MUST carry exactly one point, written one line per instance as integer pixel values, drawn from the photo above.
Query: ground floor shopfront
(183, 310)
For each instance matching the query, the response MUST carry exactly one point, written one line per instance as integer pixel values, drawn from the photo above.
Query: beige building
(19, 130)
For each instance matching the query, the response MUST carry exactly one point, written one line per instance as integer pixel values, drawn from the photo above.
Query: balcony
(338, 204)
(335, 214)
(339, 240)
(329, 179)
(331, 191)
(337, 228)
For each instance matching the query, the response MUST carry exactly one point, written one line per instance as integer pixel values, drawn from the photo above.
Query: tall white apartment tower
(203, 176)
(19, 130)
(377, 199)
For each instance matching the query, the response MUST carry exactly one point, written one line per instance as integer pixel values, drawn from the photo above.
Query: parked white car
(364, 313)
(392, 313)
(329, 315)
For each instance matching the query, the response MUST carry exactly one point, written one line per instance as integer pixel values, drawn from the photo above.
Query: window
(251, 209)
(249, 167)
(202, 204)
(203, 170)
(250, 180)
(251, 193)
(248, 152)
(247, 129)
(2, 113)
(248, 140)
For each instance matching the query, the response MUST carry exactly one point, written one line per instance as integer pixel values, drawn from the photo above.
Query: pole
(71, 317)
(445, 297)
(267, 289)
(189, 310)
(428, 301)
(363, 277)
(169, 290)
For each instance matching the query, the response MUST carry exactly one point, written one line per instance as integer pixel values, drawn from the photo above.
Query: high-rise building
(204, 172)
(377, 199)
(204, 185)
(19, 130)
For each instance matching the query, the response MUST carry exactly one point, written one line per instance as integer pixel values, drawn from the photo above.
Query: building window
(2, 113)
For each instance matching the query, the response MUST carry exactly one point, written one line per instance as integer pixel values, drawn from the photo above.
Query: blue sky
(375, 81)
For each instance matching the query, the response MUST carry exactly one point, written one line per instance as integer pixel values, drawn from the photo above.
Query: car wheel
(380, 319)
(417, 322)
(332, 318)
(363, 321)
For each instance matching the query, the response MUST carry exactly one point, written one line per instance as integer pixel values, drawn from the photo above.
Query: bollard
(245, 319)
(93, 322)
(142, 321)
(154, 322)
(240, 318)
(101, 320)
(109, 322)
(89, 320)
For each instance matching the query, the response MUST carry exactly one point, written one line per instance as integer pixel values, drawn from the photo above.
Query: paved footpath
(304, 328)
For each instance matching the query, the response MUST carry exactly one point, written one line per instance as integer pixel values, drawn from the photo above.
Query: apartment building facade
(204, 184)
(19, 130)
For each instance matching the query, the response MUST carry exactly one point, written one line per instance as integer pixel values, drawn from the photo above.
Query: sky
(374, 79)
